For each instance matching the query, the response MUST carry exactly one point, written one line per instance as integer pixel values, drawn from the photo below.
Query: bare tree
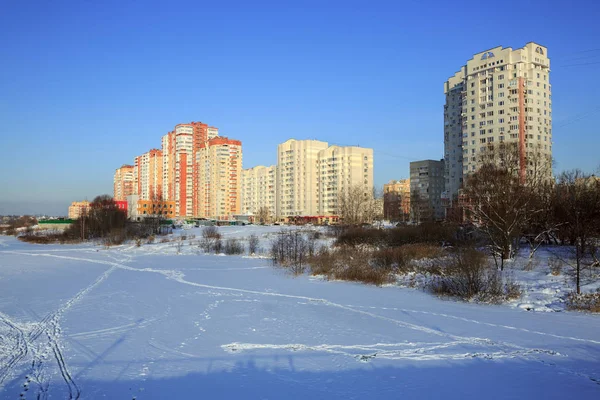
(356, 205)
(500, 202)
(263, 215)
(577, 203)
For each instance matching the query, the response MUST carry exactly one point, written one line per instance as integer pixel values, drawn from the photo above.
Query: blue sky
(87, 85)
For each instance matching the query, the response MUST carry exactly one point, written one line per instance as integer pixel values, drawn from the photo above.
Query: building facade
(501, 97)
(259, 190)
(396, 200)
(78, 208)
(178, 169)
(123, 182)
(148, 175)
(298, 177)
(341, 168)
(426, 187)
(219, 187)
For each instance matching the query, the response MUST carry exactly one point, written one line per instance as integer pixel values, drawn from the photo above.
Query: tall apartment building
(311, 176)
(219, 186)
(396, 200)
(259, 189)
(123, 184)
(341, 168)
(426, 187)
(148, 175)
(500, 96)
(178, 169)
(298, 177)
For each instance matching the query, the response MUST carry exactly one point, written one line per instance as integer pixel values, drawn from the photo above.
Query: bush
(151, 239)
(555, 265)
(253, 242)
(354, 236)
(467, 275)
(323, 262)
(210, 237)
(348, 264)
(218, 246)
(233, 246)
(290, 249)
(584, 302)
(138, 242)
(165, 240)
(399, 258)
(115, 237)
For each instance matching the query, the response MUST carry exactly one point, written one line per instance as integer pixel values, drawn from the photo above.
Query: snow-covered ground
(82, 321)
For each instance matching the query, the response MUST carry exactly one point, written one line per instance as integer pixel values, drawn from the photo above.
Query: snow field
(81, 321)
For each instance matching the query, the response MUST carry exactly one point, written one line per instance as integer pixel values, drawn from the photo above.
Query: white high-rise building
(258, 189)
(311, 176)
(341, 168)
(297, 177)
(501, 97)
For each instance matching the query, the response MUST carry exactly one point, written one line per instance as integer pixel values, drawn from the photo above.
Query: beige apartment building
(123, 182)
(396, 200)
(311, 176)
(341, 168)
(148, 175)
(78, 208)
(501, 96)
(298, 177)
(259, 190)
(219, 163)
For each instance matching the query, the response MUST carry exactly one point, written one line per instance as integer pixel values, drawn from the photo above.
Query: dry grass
(584, 302)
(349, 264)
(467, 275)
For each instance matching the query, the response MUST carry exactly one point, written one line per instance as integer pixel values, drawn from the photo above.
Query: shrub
(210, 237)
(349, 264)
(467, 275)
(138, 242)
(323, 262)
(393, 258)
(555, 265)
(253, 242)
(115, 237)
(218, 246)
(165, 240)
(151, 239)
(233, 246)
(584, 301)
(290, 249)
(354, 236)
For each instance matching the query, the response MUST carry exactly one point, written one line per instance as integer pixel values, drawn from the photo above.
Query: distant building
(123, 182)
(426, 187)
(259, 190)
(78, 208)
(340, 168)
(297, 177)
(148, 175)
(311, 177)
(219, 186)
(396, 200)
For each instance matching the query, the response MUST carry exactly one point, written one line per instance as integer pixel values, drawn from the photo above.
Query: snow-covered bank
(150, 323)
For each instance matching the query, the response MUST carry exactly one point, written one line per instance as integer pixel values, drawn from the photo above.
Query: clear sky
(87, 85)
